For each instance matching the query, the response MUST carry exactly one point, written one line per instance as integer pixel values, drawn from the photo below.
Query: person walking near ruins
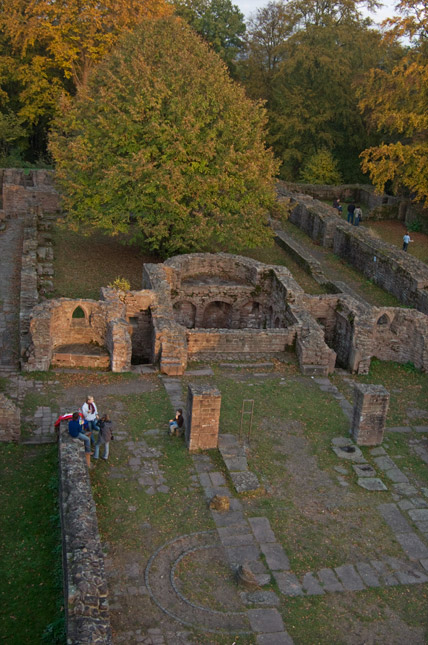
(176, 424)
(75, 430)
(105, 435)
(406, 240)
(90, 414)
(358, 215)
(351, 210)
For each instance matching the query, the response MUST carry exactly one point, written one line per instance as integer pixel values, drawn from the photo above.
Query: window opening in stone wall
(383, 320)
(141, 330)
(78, 313)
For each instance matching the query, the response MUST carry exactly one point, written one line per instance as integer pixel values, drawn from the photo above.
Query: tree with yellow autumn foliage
(395, 103)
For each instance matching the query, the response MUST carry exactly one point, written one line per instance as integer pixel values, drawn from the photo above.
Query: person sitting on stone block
(176, 426)
(75, 429)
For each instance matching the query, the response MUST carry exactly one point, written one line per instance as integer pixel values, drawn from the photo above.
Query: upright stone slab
(370, 409)
(203, 417)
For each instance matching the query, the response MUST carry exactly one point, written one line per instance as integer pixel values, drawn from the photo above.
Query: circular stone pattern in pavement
(161, 584)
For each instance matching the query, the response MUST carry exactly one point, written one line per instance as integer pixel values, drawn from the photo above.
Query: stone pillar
(10, 420)
(203, 417)
(370, 409)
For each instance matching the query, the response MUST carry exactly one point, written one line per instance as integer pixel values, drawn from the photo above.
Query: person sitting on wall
(75, 430)
(337, 205)
(105, 435)
(90, 414)
(176, 425)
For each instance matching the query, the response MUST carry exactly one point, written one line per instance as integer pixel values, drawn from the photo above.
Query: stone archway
(185, 313)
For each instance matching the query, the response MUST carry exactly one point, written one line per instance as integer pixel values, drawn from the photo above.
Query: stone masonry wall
(10, 420)
(203, 417)
(85, 585)
(267, 341)
(369, 416)
(392, 269)
(23, 192)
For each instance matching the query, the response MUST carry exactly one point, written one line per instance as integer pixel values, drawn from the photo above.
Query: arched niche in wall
(217, 315)
(383, 321)
(185, 313)
(251, 315)
(79, 317)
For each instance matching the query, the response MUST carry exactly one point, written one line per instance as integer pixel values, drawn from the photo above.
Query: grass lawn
(83, 265)
(30, 546)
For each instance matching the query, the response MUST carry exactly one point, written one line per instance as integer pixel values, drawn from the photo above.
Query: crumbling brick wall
(25, 191)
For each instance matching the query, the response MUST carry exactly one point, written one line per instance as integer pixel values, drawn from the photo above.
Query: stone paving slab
(242, 554)
(236, 464)
(288, 583)
(420, 428)
(419, 514)
(228, 518)
(394, 518)
(349, 577)
(399, 429)
(406, 572)
(265, 620)
(371, 483)
(405, 489)
(267, 598)
(217, 479)
(419, 502)
(384, 462)
(378, 451)
(238, 540)
(396, 476)
(422, 527)
(311, 586)
(386, 577)
(244, 481)
(279, 638)
(262, 529)
(240, 528)
(329, 580)
(275, 557)
(368, 574)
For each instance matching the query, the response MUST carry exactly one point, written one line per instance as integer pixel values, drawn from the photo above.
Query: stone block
(369, 415)
(203, 417)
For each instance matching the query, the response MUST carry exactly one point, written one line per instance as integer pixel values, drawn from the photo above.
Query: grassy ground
(30, 547)
(393, 231)
(83, 265)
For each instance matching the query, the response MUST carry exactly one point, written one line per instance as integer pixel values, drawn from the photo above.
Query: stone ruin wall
(394, 270)
(87, 614)
(21, 192)
(10, 420)
(358, 332)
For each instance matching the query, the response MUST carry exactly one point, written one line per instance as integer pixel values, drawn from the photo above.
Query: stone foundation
(369, 417)
(203, 417)
(10, 420)
(85, 585)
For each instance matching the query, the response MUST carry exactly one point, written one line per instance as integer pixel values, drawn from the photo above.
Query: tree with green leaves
(48, 48)
(395, 103)
(316, 54)
(162, 142)
(321, 168)
(219, 22)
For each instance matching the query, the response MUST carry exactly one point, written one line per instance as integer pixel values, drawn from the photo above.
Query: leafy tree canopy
(219, 22)
(162, 134)
(47, 48)
(395, 102)
(321, 168)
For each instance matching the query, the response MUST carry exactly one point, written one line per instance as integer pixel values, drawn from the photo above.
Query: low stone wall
(392, 269)
(85, 585)
(383, 205)
(10, 420)
(242, 341)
